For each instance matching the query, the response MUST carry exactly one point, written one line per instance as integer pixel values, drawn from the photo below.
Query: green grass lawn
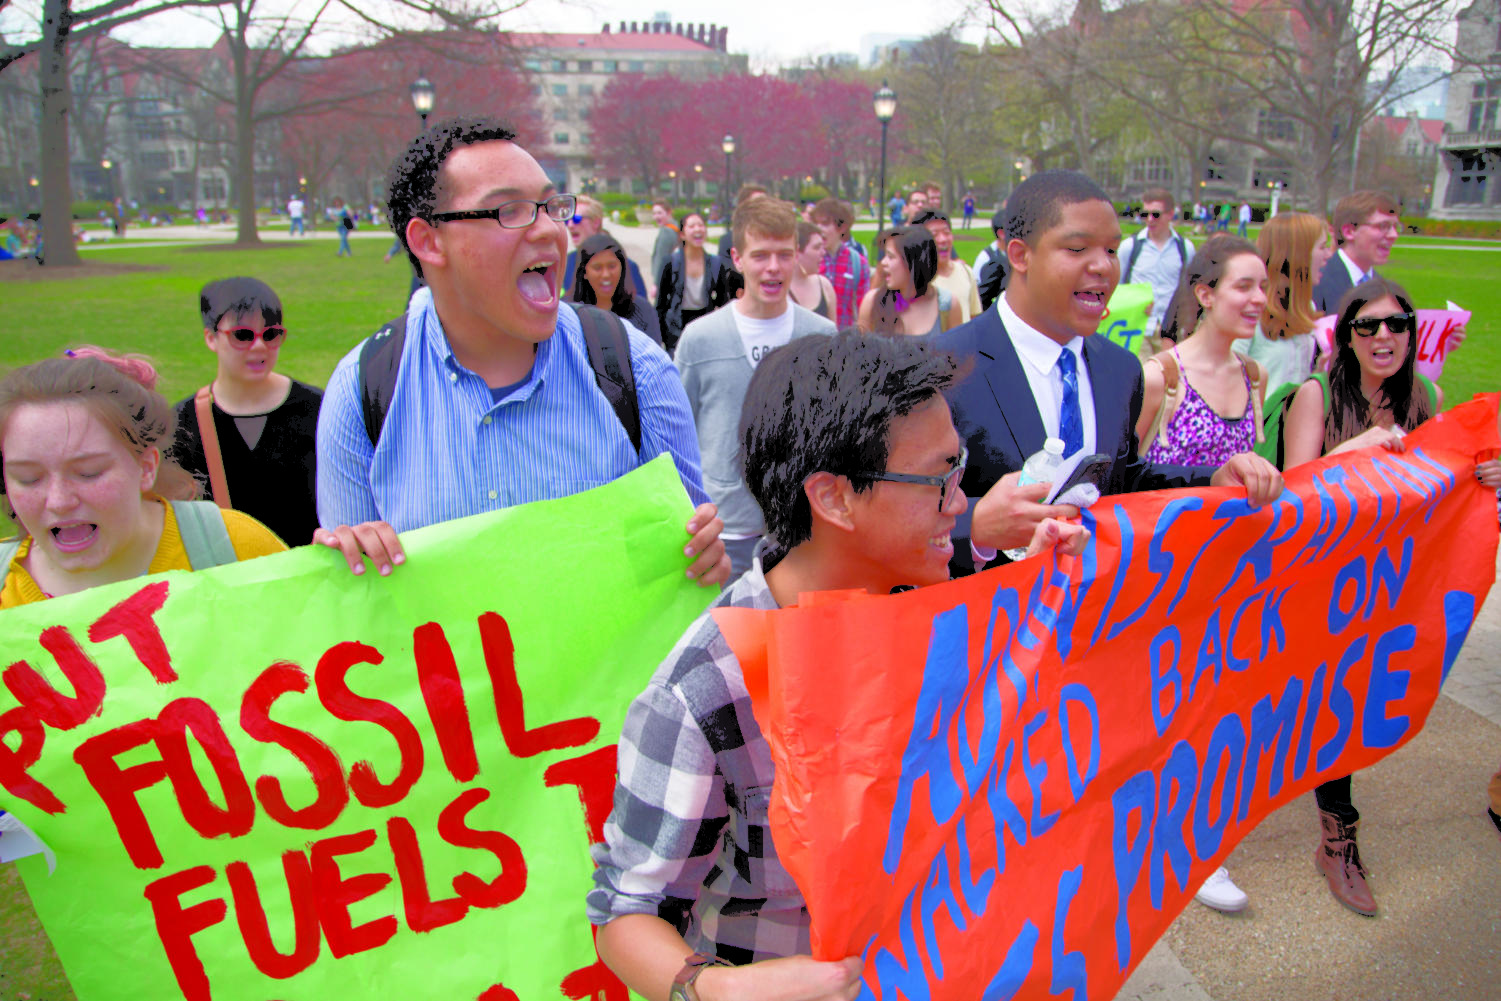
(329, 304)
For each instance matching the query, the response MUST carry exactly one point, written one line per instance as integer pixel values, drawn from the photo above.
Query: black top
(275, 481)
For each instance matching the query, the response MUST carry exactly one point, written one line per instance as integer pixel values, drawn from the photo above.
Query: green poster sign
(1125, 321)
(279, 780)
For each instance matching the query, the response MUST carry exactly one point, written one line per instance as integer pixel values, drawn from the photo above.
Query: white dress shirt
(1039, 355)
(1353, 269)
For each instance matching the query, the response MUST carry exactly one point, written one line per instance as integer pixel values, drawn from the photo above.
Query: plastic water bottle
(1040, 467)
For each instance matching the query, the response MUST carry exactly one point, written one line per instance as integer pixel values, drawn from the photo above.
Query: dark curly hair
(412, 180)
(824, 403)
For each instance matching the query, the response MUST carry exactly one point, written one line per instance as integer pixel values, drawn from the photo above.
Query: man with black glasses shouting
(485, 393)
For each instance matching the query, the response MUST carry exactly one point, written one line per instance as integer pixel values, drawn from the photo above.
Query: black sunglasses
(243, 337)
(1152, 215)
(946, 484)
(1397, 323)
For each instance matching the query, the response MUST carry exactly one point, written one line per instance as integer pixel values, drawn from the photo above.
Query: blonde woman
(1295, 246)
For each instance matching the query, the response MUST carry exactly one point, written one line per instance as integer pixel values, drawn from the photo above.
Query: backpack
(1171, 398)
(204, 537)
(609, 355)
(1269, 447)
(1137, 241)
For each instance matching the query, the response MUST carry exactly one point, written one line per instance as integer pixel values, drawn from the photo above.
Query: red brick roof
(1396, 125)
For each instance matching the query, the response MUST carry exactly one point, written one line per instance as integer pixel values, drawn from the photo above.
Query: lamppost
(728, 145)
(422, 97)
(698, 178)
(885, 105)
(109, 179)
(672, 185)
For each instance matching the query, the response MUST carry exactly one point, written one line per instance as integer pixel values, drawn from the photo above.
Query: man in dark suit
(1365, 228)
(1035, 372)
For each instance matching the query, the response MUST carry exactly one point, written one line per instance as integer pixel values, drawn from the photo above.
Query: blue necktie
(1071, 420)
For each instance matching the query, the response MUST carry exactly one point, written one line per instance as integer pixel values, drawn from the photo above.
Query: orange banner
(1009, 785)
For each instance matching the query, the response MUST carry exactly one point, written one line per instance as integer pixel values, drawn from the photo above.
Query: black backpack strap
(1182, 249)
(380, 359)
(610, 357)
(1131, 261)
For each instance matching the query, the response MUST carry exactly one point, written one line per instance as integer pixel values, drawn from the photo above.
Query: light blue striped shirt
(448, 450)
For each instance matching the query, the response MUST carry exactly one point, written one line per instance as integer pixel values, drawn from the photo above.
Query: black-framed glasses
(518, 214)
(1397, 323)
(947, 484)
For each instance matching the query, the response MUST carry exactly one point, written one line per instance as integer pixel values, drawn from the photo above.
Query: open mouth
(943, 542)
(1092, 301)
(74, 537)
(537, 285)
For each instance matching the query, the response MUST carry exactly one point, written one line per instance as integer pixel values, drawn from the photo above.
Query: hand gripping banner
(1007, 786)
(279, 780)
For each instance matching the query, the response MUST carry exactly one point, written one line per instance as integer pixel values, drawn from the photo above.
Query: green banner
(1125, 321)
(279, 780)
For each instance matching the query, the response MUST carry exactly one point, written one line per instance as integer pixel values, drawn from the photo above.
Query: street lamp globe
(105, 163)
(728, 145)
(422, 97)
(885, 103)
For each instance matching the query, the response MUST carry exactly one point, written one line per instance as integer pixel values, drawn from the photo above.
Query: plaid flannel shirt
(689, 838)
(851, 279)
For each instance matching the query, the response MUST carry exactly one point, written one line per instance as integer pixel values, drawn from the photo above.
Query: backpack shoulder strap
(1257, 376)
(1169, 405)
(1182, 248)
(208, 434)
(1131, 259)
(204, 536)
(8, 549)
(1322, 378)
(1430, 388)
(610, 356)
(380, 360)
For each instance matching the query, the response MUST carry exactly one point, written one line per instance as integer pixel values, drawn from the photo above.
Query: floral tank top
(1197, 436)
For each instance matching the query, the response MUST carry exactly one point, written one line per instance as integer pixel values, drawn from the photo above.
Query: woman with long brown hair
(1295, 246)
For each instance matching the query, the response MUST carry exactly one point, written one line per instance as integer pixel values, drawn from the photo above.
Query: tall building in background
(1465, 186)
(570, 70)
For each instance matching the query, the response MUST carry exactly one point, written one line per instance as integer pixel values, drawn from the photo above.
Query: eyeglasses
(1152, 215)
(243, 337)
(947, 484)
(1397, 323)
(518, 214)
(1389, 226)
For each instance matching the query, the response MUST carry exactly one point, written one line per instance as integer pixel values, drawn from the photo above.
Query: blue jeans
(343, 241)
(297, 229)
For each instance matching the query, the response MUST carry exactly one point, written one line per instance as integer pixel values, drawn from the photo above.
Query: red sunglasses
(243, 337)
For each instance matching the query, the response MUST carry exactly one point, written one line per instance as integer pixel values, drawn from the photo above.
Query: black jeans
(1334, 797)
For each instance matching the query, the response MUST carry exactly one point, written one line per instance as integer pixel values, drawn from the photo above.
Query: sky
(771, 32)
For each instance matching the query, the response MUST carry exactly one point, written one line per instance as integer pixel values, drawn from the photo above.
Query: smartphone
(1090, 469)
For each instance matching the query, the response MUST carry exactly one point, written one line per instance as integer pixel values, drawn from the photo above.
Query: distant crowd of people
(837, 422)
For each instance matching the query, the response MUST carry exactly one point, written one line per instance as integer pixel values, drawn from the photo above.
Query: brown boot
(1338, 858)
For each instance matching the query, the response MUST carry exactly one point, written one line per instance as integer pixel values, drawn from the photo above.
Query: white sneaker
(1220, 893)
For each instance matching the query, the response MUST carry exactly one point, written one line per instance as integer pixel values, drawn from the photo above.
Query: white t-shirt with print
(763, 336)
